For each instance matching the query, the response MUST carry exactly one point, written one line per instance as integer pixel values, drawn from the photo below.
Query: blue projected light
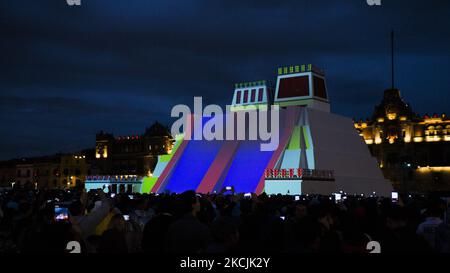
(247, 167)
(193, 164)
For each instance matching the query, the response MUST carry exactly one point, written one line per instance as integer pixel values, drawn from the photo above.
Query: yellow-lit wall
(71, 163)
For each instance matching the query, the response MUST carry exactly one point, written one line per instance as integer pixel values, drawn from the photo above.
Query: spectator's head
(206, 211)
(188, 202)
(164, 205)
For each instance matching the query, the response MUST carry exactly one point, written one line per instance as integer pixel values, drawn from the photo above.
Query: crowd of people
(219, 223)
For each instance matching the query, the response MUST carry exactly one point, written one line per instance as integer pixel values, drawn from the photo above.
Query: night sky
(119, 65)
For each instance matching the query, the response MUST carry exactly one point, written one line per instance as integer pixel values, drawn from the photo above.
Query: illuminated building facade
(55, 171)
(73, 170)
(131, 155)
(128, 156)
(413, 151)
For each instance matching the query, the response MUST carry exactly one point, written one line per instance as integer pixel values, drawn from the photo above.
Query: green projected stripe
(261, 106)
(165, 158)
(294, 143)
(306, 136)
(148, 183)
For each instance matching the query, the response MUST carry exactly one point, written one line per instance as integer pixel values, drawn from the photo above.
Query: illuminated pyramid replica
(318, 152)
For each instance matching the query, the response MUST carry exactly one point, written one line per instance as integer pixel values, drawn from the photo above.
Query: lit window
(391, 140)
(105, 151)
(392, 116)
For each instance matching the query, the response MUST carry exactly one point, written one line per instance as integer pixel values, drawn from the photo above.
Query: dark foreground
(218, 223)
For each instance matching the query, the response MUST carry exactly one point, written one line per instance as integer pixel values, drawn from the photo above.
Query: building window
(252, 96)
(293, 87)
(260, 94)
(392, 116)
(245, 96)
(238, 97)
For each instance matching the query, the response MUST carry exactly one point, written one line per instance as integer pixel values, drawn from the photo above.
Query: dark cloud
(67, 72)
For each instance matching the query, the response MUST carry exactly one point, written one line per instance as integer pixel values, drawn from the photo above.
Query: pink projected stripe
(169, 166)
(292, 116)
(218, 166)
(175, 156)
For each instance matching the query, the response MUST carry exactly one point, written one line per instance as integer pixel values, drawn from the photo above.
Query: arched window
(431, 130)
